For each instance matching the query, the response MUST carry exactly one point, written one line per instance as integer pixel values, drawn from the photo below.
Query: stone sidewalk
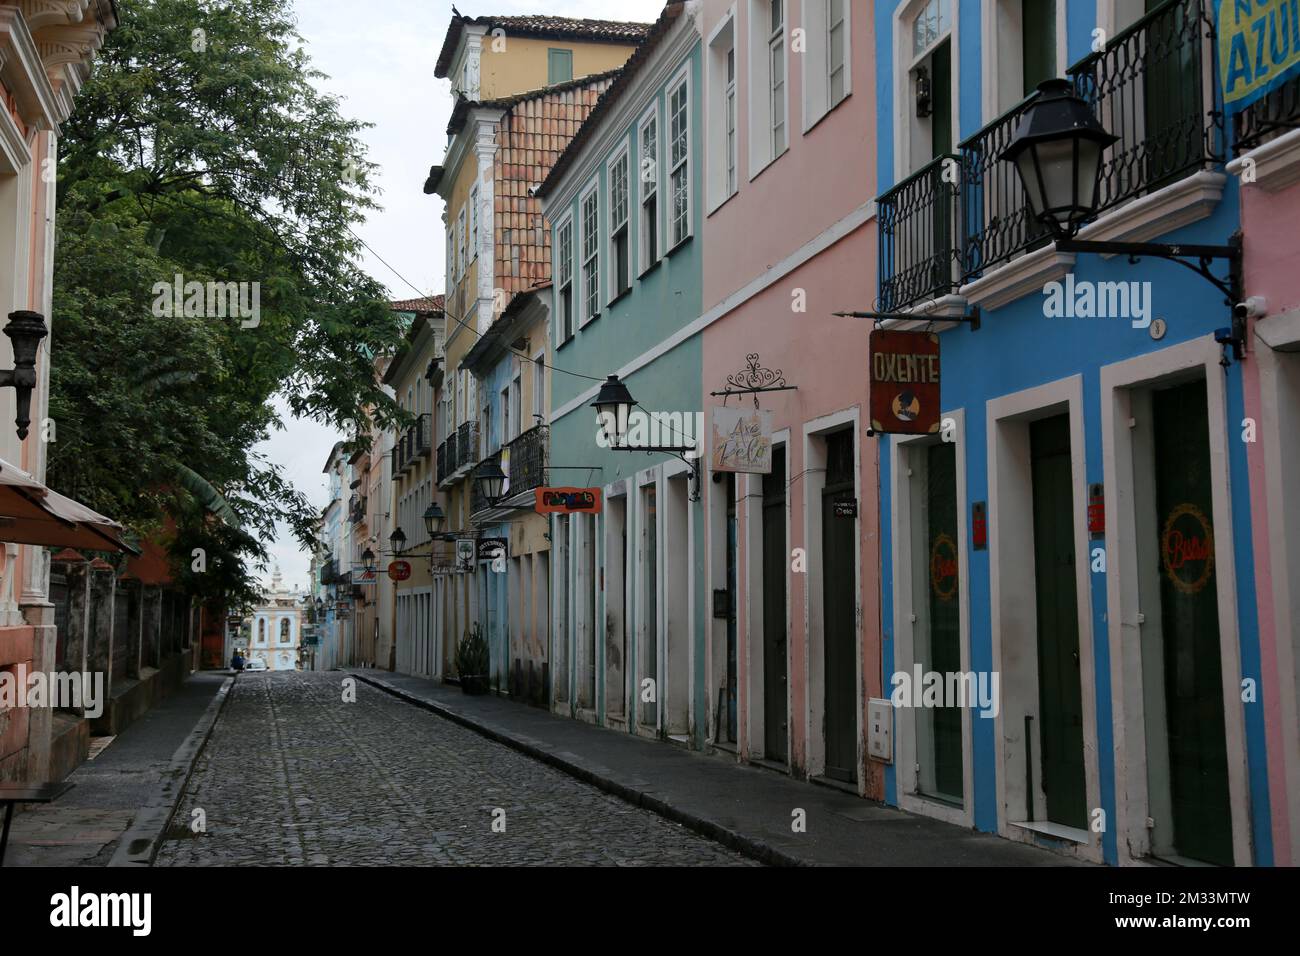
(83, 827)
(746, 808)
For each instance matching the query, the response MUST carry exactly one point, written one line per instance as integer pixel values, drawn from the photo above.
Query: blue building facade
(624, 206)
(1078, 535)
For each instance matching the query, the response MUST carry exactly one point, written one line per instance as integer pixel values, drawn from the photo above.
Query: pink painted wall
(825, 176)
(1268, 227)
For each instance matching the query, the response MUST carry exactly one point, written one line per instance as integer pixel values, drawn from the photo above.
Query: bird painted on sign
(907, 407)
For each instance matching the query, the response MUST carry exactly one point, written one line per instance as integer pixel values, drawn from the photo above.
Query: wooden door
(776, 557)
(839, 610)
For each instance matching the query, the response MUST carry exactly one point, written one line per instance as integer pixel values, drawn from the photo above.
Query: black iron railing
(357, 509)
(422, 435)
(918, 236)
(443, 457)
(467, 450)
(1268, 117)
(528, 460)
(1147, 87)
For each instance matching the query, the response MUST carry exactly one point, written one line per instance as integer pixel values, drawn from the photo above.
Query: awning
(31, 513)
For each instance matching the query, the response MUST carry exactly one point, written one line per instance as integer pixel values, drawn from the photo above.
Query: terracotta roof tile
(434, 304)
(567, 28)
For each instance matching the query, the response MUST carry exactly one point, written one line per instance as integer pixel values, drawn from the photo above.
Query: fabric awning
(31, 513)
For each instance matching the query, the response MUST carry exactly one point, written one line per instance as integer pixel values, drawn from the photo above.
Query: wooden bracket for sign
(972, 318)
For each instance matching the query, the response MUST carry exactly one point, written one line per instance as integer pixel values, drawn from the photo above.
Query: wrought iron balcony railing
(442, 460)
(422, 436)
(467, 450)
(1147, 87)
(918, 236)
(357, 509)
(1269, 117)
(528, 455)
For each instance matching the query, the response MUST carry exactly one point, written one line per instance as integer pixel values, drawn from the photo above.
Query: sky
(380, 63)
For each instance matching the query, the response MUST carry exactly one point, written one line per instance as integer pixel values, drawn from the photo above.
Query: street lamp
(434, 519)
(25, 331)
(397, 540)
(614, 404)
(491, 480)
(613, 407)
(368, 559)
(1057, 150)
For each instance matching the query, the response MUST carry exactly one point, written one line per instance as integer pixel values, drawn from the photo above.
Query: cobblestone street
(294, 775)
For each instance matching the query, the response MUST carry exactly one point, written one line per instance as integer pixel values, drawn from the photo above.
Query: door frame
(905, 736)
(752, 690)
(1124, 600)
(814, 456)
(1014, 603)
(619, 491)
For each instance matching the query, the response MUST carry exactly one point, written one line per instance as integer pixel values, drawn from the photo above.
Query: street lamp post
(1057, 150)
(614, 404)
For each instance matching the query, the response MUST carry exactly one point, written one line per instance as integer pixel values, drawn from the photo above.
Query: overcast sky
(380, 58)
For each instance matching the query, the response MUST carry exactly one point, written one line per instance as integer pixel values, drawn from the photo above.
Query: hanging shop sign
(365, 576)
(490, 549)
(1259, 48)
(465, 550)
(742, 441)
(399, 570)
(904, 382)
(568, 501)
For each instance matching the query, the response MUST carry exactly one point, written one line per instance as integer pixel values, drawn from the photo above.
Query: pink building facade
(1268, 164)
(794, 649)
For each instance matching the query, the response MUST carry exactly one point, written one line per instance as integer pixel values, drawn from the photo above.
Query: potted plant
(472, 662)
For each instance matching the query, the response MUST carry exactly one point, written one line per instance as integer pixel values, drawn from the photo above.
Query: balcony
(421, 436)
(1147, 87)
(1269, 117)
(477, 502)
(467, 446)
(447, 458)
(526, 469)
(357, 509)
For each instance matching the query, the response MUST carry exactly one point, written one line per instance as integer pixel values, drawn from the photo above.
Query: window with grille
(679, 166)
(591, 255)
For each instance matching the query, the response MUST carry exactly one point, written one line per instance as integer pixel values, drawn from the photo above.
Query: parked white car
(256, 664)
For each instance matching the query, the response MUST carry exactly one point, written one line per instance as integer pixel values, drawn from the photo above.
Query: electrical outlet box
(880, 730)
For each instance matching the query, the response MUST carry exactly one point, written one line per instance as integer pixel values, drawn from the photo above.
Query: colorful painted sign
(568, 501)
(399, 570)
(465, 550)
(943, 568)
(1259, 48)
(742, 441)
(1187, 549)
(365, 575)
(904, 382)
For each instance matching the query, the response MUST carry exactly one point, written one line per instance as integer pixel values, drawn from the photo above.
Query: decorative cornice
(24, 74)
(45, 13)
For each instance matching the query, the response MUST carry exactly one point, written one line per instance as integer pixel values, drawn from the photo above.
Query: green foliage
(472, 654)
(217, 161)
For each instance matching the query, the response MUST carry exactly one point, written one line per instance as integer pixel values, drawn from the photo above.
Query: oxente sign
(1259, 48)
(904, 382)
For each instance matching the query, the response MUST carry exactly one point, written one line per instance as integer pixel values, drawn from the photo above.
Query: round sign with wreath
(1187, 549)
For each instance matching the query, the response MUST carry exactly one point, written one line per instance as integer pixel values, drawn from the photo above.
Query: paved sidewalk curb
(139, 844)
(571, 764)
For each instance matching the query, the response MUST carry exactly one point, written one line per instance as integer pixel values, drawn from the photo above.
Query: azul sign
(904, 370)
(1259, 48)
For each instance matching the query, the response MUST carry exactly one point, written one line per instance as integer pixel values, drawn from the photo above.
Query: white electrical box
(880, 730)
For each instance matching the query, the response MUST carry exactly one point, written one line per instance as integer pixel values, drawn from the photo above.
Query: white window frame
(563, 268)
(723, 105)
(460, 245)
(776, 41)
(816, 61)
(586, 314)
(905, 60)
(622, 155)
(653, 189)
(682, 80)
(996, 23)
(761, 119)
(473, 224)
(539, 386)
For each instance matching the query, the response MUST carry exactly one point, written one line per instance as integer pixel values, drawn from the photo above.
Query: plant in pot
(472, 662)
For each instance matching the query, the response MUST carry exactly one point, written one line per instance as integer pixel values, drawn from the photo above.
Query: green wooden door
(944, 639)
(1189, 614)
(1037, 42)
(1060, 692)
(729, 688)
(775, 558)
(839, 611)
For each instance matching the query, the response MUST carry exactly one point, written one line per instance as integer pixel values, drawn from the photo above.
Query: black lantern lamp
(491, 480)
(1057, 150)
(613, 406)
(368, 559)
(25, 331)
(397, 540)
(434, 520)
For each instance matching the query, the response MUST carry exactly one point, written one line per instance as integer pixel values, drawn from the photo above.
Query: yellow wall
(522, 64)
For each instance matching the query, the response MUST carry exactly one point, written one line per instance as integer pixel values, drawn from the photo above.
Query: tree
(200, 148)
